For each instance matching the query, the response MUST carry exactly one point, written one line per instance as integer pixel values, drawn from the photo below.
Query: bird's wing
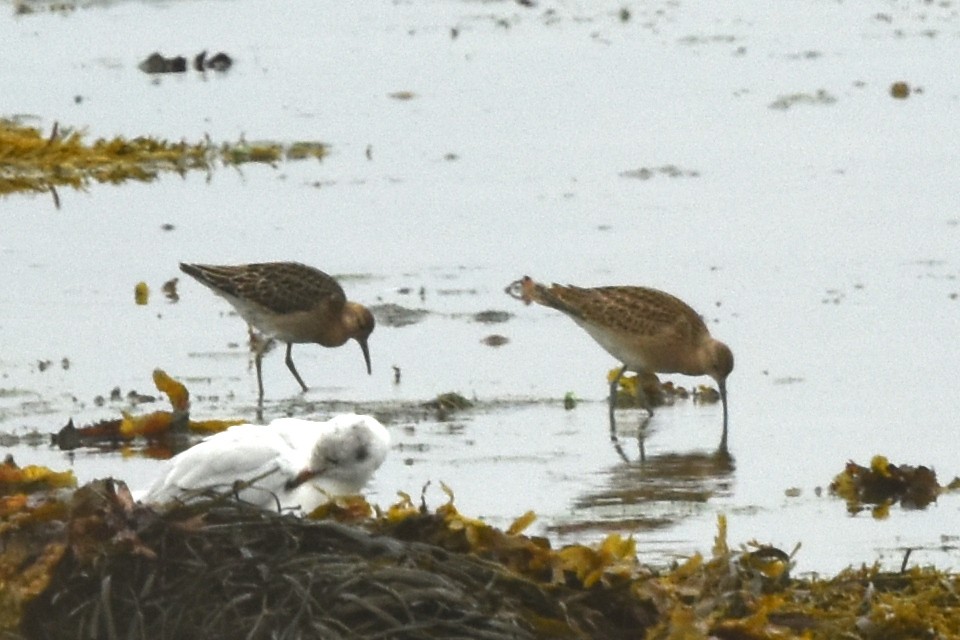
(639, 311)
(282, 287)
(220, 461)
(296, 287)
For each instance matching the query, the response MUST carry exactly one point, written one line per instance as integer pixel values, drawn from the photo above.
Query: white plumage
(298, 464)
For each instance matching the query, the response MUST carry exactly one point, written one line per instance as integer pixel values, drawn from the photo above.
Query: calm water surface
(808, 215)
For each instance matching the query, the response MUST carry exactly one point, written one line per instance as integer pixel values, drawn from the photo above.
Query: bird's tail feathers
(219, 279)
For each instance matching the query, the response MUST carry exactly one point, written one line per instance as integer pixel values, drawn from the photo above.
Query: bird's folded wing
(221, 463)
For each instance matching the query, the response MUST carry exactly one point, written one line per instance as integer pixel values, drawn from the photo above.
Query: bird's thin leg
(613, 392)
(615, 440)
(642, 436)
(642, 398)
(292, 368)
(259, 345)
(613, 421)
(258, 363)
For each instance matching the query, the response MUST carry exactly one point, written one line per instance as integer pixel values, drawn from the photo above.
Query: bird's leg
(259, 346)
(641, 396)
(614, 439)
(613, 392)
(642, 436)
(258, 363)
(292, 368)
(641, 433)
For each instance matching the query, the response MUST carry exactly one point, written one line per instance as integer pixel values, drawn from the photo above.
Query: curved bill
(366, 354)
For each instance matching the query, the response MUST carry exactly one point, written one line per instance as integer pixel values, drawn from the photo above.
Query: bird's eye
(362, 453)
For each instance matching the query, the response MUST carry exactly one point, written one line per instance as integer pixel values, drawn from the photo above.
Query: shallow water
(819, 241)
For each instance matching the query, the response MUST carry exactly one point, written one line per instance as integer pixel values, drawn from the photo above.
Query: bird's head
(720, 362)
(347, 454)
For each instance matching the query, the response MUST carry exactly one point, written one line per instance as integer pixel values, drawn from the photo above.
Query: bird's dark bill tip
(366, 355)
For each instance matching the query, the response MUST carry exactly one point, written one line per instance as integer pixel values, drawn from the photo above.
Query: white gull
(294, 463)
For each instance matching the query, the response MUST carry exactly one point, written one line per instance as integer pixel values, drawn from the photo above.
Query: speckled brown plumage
(281, 287)
(291, 302)
(646, 329)
(638, 311)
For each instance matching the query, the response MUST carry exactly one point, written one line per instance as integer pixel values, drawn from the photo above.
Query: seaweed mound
(220, 569)
(92, 563)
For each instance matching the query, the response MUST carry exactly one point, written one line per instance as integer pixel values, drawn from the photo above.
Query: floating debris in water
(218, 62)
(900, 90)
(158, 63)
(31, 438)
(395, 315)
(447, 403)
(821, 97)
(141, 293)
(492, 316)
(171, 428)
(170, 290)
(668, 170)
(883, 484)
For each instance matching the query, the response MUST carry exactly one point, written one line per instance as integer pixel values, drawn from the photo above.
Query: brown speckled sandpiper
(649, 331)
(291, 302)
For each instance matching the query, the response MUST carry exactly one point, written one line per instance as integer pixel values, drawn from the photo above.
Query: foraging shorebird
(649, 331)
(290, 463)
(291, 302)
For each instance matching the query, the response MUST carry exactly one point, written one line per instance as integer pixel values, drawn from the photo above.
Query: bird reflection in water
(654, 494)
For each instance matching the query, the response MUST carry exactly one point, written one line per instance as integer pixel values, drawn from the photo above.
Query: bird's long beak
(366, 354)
(723, 399)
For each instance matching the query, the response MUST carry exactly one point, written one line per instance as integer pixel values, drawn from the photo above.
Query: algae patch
(32, 161)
